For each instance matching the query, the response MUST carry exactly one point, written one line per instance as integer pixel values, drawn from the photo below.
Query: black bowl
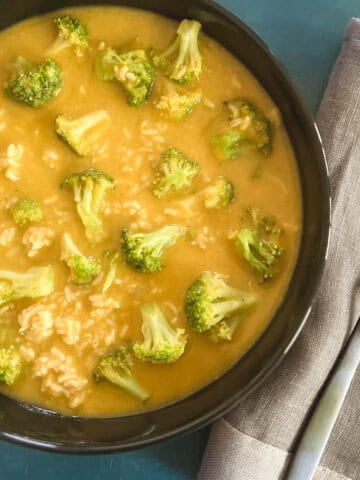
(37, 427)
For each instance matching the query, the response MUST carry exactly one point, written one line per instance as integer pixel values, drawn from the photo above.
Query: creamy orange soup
(61, 337)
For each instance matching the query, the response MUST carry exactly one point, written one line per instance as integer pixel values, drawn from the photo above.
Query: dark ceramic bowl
(36, 427)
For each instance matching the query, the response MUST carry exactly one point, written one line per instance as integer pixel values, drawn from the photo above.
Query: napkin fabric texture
(253, 441)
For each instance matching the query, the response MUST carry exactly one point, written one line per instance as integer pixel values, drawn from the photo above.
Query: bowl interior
(37, 427)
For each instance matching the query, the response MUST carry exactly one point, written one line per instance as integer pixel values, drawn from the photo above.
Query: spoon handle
(322, 420)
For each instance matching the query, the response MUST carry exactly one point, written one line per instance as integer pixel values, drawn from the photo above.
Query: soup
(150, 210)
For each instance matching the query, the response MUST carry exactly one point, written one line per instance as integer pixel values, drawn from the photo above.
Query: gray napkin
(253, 441)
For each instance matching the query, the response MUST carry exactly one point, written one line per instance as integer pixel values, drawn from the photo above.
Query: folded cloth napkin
(253, 441)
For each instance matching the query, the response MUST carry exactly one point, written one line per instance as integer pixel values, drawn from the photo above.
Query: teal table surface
(306, 36)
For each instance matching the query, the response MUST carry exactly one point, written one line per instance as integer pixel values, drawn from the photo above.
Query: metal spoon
(322, 421)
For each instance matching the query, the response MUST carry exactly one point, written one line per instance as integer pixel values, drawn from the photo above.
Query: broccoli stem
(125, 381)
(165, 237)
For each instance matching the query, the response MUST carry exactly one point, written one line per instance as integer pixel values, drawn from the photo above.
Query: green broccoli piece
(89, 188)
(35, 282)
(219, 193)
(261, 254)
(116, 367)
(252, 124)
(133, 70)
(83, 269)
(256, 244)
(162, 344)
(216, 195)
(264, 225)
(175, 106)
(34, 85)
(10, 365)
(145, 251)
(71, 33)
(182, 61)
(175, 172)
(26, 211)
(246, 126)
(106, 62)
(82, 134)
(224, 330)
(112, 260)
(227, 145)
(209, 300)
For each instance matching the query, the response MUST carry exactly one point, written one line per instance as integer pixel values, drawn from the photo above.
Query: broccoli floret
(136, 74)
(83, 269)
(264, 225)
(34, 85)
(10, 365)
(112, 260)
(35, 282)
(216, 195)
(219, 193)
(209, 300)
(133, 70)
(26, 211)
(175, 172)
(261, 254)
(82, 134)
(252, 124)
(145, 251)
(106, 62)
(162, 344)
(71, 33)
(177, 106)
(182, 61)
(116, 367)
(89, 188)
(225, 329)
(256, 243)
(227, 145)
(246, 126)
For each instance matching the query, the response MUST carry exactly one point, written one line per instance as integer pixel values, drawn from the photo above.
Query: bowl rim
(231, 401)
